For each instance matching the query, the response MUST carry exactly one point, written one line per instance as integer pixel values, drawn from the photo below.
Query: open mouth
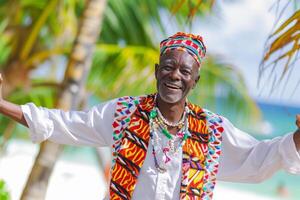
(172, 86)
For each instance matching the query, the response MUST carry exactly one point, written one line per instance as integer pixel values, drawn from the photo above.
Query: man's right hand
(9, 109)
(1, 82)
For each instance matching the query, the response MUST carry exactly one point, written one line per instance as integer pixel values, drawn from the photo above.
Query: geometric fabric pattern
(124, 108)
(190, 43)
(201, 150)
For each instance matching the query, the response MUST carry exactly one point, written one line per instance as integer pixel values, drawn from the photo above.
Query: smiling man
(165, 147)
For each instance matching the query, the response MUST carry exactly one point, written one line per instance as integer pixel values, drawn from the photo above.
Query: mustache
(174, 84)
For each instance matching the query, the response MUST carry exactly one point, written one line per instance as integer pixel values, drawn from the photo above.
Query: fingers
(298, 120)
(1, 81)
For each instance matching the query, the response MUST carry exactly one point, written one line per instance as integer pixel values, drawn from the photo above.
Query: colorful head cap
(193, 44)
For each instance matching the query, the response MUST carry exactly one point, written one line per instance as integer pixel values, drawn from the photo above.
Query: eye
(167, 67)
(186, 72)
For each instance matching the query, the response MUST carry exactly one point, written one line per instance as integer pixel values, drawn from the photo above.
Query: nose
(175, 75)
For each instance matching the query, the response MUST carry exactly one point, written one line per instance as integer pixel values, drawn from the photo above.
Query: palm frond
(129, 70)
(222, 88)
(281, 50)
(4, 43)
(191, 8)
(285, 36)
(122, 71)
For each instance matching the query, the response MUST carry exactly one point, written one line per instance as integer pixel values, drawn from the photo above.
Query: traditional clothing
(123, 124)
(193, 44)
(151, 164)
(200, 153)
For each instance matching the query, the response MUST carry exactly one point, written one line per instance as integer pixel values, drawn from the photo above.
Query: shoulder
(213, 121)
(125, 107)
(213, 117)
(129, 101)
(205, 113)
(122, 105)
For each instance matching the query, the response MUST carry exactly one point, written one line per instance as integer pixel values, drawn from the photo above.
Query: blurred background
(73, 54)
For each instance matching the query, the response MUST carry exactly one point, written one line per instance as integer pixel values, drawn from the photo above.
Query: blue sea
(276, 120)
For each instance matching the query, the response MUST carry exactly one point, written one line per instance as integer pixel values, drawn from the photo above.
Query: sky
(237, 34)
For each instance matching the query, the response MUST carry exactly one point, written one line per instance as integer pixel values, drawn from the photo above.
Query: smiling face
(176, 74)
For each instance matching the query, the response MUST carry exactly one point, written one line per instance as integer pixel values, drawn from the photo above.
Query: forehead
(178, 56)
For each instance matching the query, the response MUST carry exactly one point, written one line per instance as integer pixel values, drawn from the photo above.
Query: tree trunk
(69, 98)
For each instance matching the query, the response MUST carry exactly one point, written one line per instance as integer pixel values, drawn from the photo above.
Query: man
(165, 147)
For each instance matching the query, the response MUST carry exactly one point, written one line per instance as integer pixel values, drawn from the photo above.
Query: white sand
(69, 180)
(73, 180)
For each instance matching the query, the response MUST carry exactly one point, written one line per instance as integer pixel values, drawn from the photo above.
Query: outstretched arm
(245, 159)
(11, 110)
(92, 127)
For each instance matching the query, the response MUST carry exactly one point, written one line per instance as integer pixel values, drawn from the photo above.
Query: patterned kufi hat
(193, 44)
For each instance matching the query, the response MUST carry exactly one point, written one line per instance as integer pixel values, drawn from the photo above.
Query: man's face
(176, 74)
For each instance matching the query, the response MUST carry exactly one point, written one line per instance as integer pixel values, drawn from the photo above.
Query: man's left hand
(297, 133)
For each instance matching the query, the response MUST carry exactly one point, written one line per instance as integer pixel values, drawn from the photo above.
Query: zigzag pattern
(200, 152)
(214, 123)
(131, 154)
(124, 108)
(194, 150)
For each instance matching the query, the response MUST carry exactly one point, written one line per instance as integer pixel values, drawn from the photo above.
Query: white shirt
(243, 158)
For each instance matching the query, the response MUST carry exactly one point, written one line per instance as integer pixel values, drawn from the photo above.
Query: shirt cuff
(39, 127)
(290, 155)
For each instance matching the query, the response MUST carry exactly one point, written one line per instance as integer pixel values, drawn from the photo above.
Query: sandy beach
(74, 180)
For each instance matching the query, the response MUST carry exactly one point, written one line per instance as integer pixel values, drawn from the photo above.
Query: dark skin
(176, 75)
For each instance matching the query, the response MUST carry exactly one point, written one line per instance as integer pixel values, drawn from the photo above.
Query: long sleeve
(92, 127)
(245, 159)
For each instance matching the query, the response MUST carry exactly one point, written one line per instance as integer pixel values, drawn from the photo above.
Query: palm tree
(127, 39)
(282, 48)
(30, 33)
(135, 47)
(69, 97)
(30, 36)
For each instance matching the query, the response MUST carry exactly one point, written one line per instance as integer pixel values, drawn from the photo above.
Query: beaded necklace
(158, 124)
(170, 124)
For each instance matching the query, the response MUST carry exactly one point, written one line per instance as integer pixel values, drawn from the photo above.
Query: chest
(193, 168)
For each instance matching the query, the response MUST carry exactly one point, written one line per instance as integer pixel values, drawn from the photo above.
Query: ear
(196, 80)
(156, 70)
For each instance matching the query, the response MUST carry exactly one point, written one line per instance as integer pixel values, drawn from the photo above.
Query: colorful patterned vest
(131, 135)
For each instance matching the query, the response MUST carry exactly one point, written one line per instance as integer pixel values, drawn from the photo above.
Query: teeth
(172, 86)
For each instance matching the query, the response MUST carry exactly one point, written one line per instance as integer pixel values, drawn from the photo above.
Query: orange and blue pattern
(200, 152)
(193, 44)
